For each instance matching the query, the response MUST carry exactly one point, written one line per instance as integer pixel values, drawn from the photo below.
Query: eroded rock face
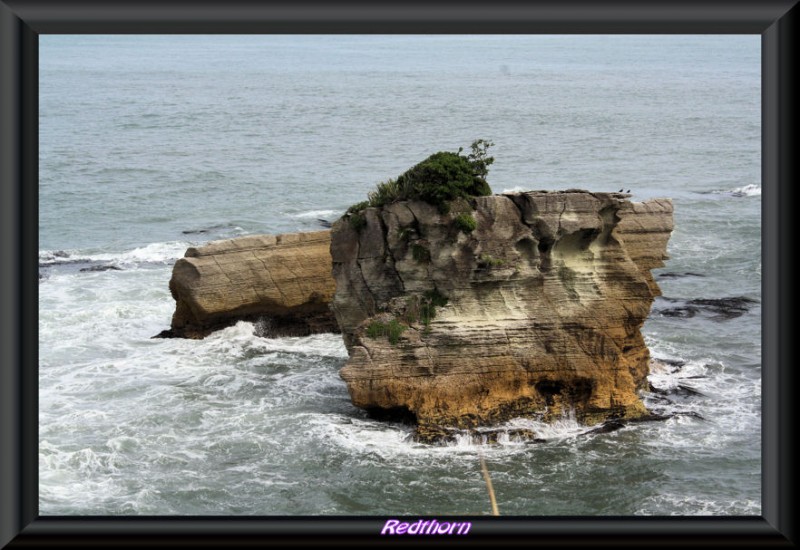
(545, 299)
(284, 281)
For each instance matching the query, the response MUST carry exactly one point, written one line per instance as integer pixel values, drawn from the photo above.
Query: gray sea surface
(151, 144)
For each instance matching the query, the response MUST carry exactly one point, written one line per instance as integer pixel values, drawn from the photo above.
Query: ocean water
(152, 144)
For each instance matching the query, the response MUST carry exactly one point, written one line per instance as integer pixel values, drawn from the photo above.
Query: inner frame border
(21, 23)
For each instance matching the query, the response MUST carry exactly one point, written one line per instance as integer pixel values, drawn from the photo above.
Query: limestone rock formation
(535, 311)
(284, 281)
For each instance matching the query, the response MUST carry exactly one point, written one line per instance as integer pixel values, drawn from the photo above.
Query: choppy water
(150, 144)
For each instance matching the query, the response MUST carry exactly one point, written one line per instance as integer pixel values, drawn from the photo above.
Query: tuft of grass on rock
(486, 260)
(376, 329)
(431, 299)
(393, 331)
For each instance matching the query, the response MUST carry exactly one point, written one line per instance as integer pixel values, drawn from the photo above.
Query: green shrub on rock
(466, 223)
(442, 177)
(357, 207)
(439, 179)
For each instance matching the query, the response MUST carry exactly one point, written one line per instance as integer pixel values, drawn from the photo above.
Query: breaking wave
(751, 190)
(326, 214)
(151, 253)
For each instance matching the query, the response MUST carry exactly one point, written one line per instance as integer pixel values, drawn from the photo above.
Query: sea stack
(524, 304)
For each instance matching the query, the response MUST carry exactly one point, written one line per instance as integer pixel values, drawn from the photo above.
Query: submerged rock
(533, 309)
(719, 309)
(672, 275)
(283, 281)
(107, 267)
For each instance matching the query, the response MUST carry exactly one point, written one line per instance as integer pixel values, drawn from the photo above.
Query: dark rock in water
(325, 223)
(685, 312)
(725, 308)
(658, 417)
(607, 427)
(433, 434)
(64, 262)
(690, 414)
(671, 275)
(720, 309)
(492, 436)
(521, 434)
(653, 417)
(52, 257)
(102, 268)
(680, 389)
(59, 258)
(166, 334)
(654, 389)
(662, 399)
(525, 435)
(439, 435)
(678, 363)
(690, 390)
(219, 228)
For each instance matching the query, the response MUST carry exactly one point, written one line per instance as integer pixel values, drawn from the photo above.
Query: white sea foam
(681, 504)
(565, 427)
(324, 214)
(151, 253)
(243, 336)
(665, 377)
(752, 190)
(389, 441)
(155, 252)
(515, 189)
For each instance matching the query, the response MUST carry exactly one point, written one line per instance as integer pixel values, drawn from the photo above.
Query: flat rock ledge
(535, 311)
(282, 282)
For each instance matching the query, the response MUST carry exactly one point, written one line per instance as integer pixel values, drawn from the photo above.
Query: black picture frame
(22, 21)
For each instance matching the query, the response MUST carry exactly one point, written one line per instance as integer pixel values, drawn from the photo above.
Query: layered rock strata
(535, 311)
(282, 281)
